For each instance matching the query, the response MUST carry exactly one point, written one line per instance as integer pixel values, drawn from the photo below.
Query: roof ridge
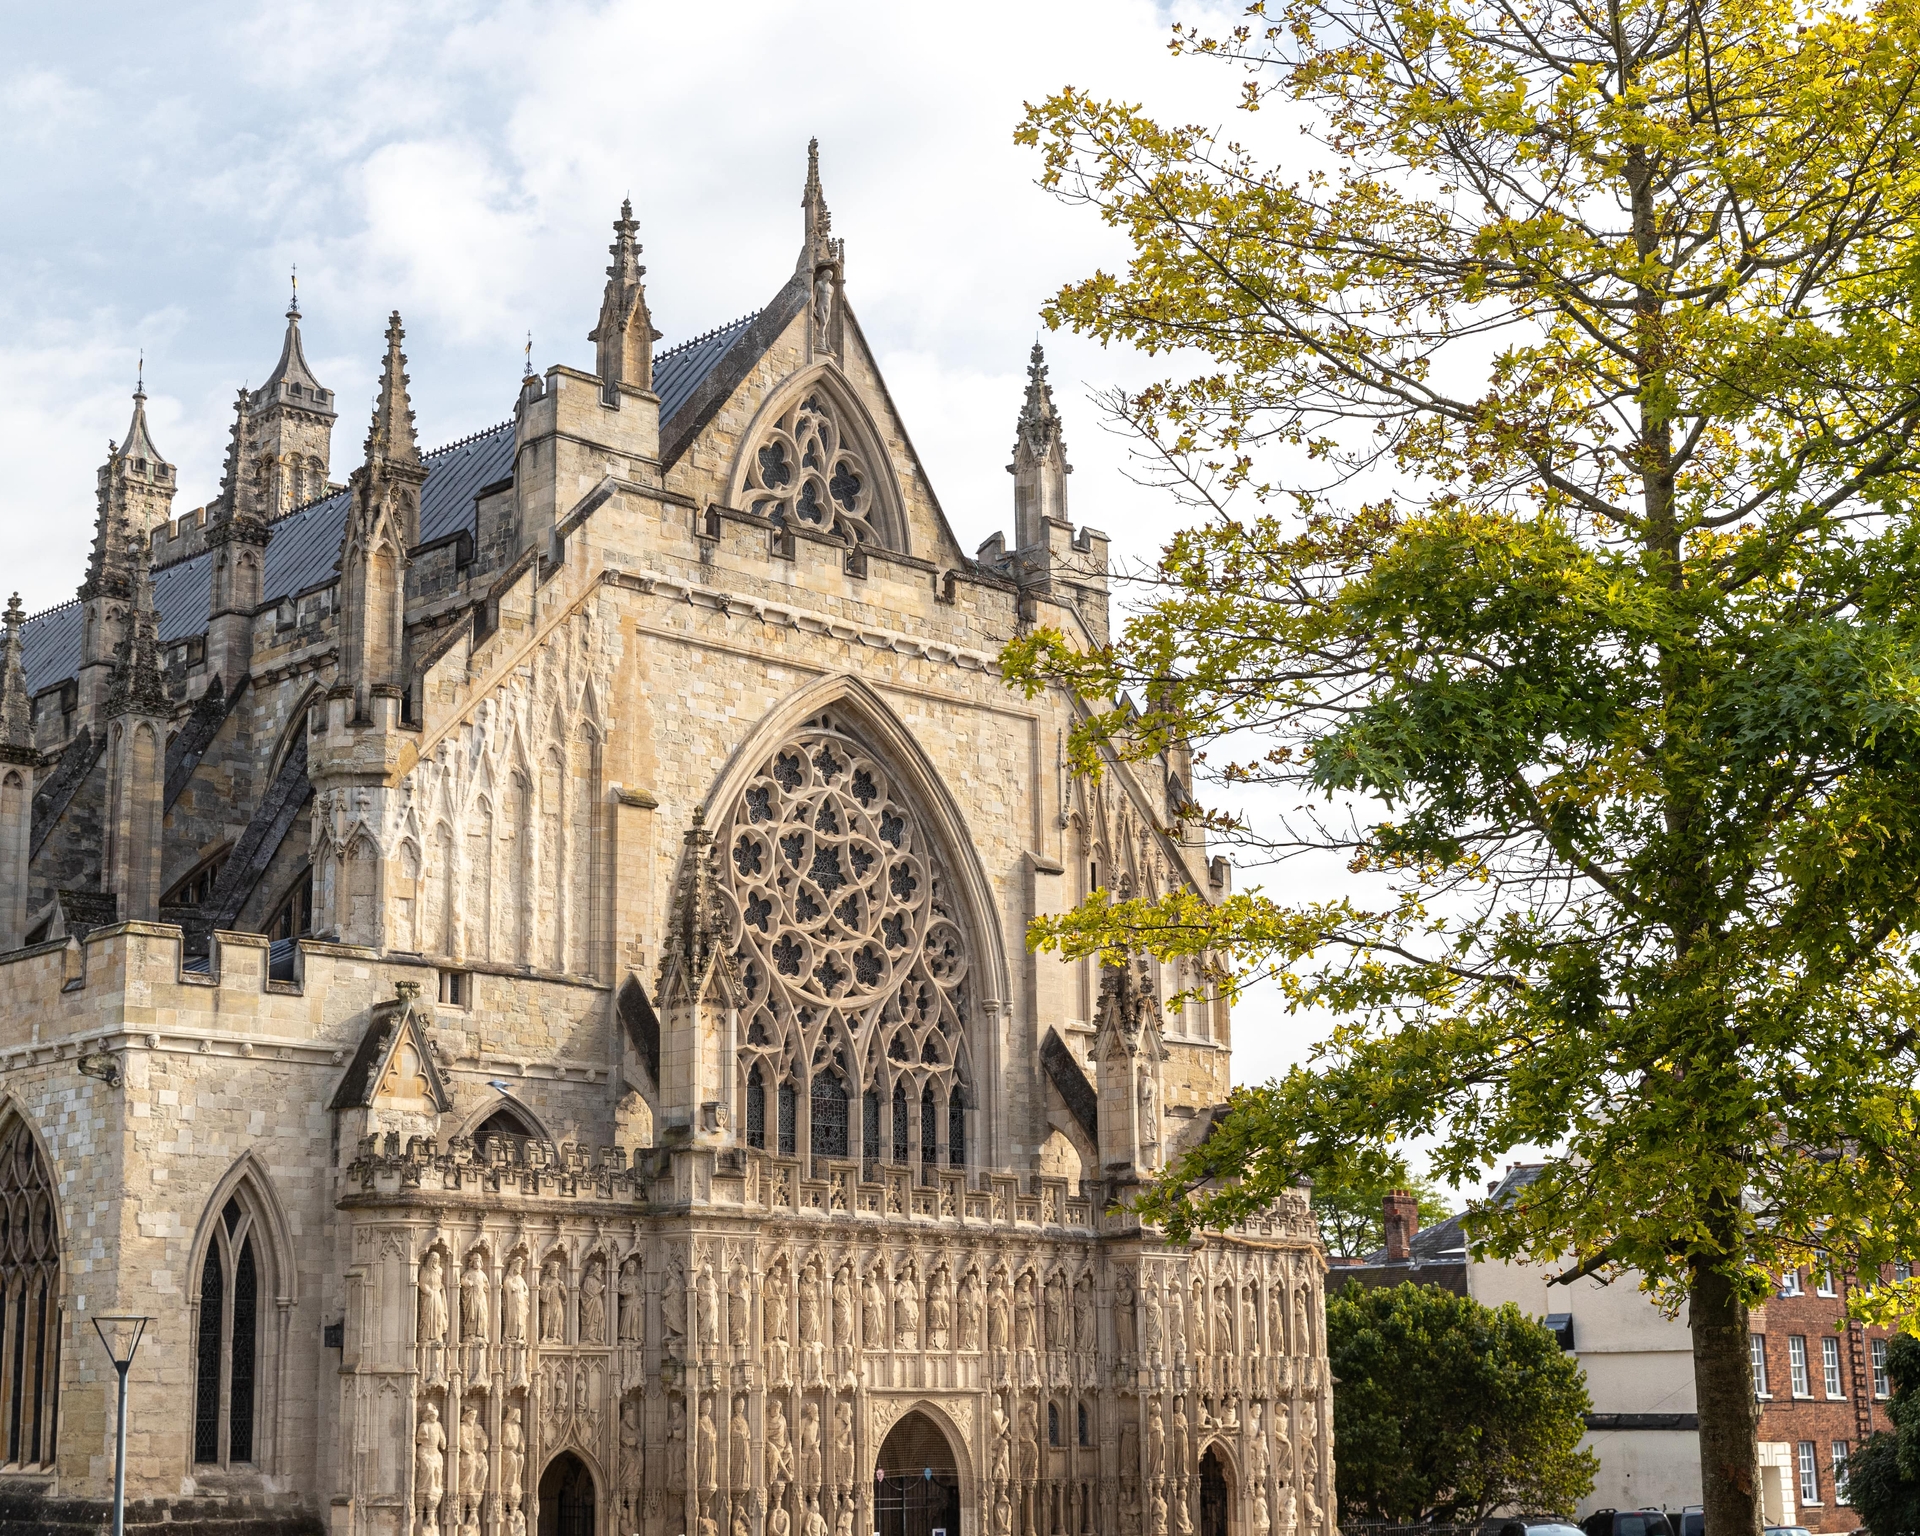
(471, 437)
(71, 602)
(694, 341)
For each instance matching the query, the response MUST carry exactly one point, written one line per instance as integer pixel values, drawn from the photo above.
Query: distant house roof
(1437, 1254)
(304, 551)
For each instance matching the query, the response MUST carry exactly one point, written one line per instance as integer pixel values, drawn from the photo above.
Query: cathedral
(515, 965)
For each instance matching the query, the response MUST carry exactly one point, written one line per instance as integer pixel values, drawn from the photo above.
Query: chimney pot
(1401, 1218)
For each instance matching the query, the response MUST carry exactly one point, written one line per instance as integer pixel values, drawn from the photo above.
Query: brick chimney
(1402, 1220)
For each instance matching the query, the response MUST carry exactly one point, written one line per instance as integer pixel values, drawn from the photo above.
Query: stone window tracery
(29, 1302)
(854, 963)
(228, 1339)
(805, 473)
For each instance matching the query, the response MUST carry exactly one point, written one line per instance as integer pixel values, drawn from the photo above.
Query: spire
(138, 686)
(138, 442)
(16, 708)
(625, 335)
(390, 439)
(292, 381)
(1039, 466)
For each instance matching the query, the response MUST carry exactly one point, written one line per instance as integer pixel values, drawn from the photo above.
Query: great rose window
(853, 960)
(804, 474)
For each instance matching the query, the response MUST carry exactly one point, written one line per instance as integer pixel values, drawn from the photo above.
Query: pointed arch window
(806, 472)
(853, 960)
(30, 1303)
(756, 1108)
(957, 1127)
(229, 1340)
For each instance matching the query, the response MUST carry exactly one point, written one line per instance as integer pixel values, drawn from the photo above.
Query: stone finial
(234, 499)
(1039, 466)
(16, 708)
(390, 438)
(821, 249)
(624, 335)
(138, 685)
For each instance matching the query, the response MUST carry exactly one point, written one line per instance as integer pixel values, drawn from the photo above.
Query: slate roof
(304, 551)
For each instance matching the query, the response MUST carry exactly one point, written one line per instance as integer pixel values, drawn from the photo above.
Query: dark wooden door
(1213, 1496)
(566, 1498)
(917, 1505)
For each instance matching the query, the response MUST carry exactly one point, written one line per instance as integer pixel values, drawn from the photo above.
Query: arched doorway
(916, 1486)
(566, 1497)
(1214, 1500)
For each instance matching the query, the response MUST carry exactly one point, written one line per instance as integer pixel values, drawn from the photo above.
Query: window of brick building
(1830, 1367)
(1790, 1283)
(1809, 1473)
(1797, 1366)
(1826, 1283)
(1841, 1450)
(1757, 1346)
(1881, 1386)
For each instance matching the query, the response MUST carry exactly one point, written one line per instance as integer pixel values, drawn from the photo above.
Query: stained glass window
(788, 1119)
(829, 1116)
(756, 1108)
(29, 1300)
(206, 1394)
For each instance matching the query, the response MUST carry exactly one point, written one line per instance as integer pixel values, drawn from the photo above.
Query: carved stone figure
(473, 1455)
(906, 1310)
(843, 1307)
(1182, 1443)
(1002, 1441)
(706, 1446)
(429, 1465)
(779, 1523)
(433, 1301)
(1149, 1114)
(1159, 1511)
(816, 1523)
(1302, 1331)
(1177, 1319)
(1276, 1322)
(553, 1302)
(1029, 1440)
(970, 1310)
(739, 1307)
(1083, 1315)
(1155, 1327)
(843, 1444)
(740, 1526)
(513, 1456)
(474, 1310)
(707, 1297)
(810, 1445)
(1197, 1319)
(1002, 1512)
(673, 1306)
(773, 1306)
(1156, 1440)
(739, 1447)
(513, 1302)
(939, 1312)
(593, 1304)
(677, 1444)
(873, 1310)
(1223, 1330)
(632, 1458)
(632, 1303)
(1256, 1446)
(1124, 1335)
(1262, 1522)
(810, 1304)
(844, 1525)
(1056, 1293)
(1025, 1318)
(999, 1319)
(1309, 1484)
(779, 1446)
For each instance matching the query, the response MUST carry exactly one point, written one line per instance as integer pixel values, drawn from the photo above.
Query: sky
(168, 168)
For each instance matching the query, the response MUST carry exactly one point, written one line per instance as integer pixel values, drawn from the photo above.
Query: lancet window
(853, 959)
(806, 473)
(228, 1335)
(30, 1308)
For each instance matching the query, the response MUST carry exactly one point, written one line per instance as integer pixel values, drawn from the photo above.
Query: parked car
(1785, 1530)
(1693, 1520)
(1627, 1522)
(1533, 1525)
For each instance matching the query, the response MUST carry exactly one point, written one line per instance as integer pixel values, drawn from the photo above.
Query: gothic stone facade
(515, 964)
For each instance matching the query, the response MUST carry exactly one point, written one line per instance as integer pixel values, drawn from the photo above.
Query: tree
(1551, 475)
(1347, 1203)
(1883, 1475)
(1445, 1410)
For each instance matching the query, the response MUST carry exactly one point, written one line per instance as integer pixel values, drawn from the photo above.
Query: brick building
(1822, 1383)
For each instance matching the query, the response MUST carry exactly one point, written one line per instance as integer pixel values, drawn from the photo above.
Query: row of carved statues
(996, 1303)
(811, 1462)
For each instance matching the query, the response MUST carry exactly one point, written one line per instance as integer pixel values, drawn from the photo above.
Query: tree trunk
(1729, 1412)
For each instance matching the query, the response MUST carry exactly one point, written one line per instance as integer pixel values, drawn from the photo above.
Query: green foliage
(1883, 1475)
(1569, 392)
(1347, 1202)
(1445, 1410)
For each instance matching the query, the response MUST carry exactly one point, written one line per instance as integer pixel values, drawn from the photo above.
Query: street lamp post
(121, 1336)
